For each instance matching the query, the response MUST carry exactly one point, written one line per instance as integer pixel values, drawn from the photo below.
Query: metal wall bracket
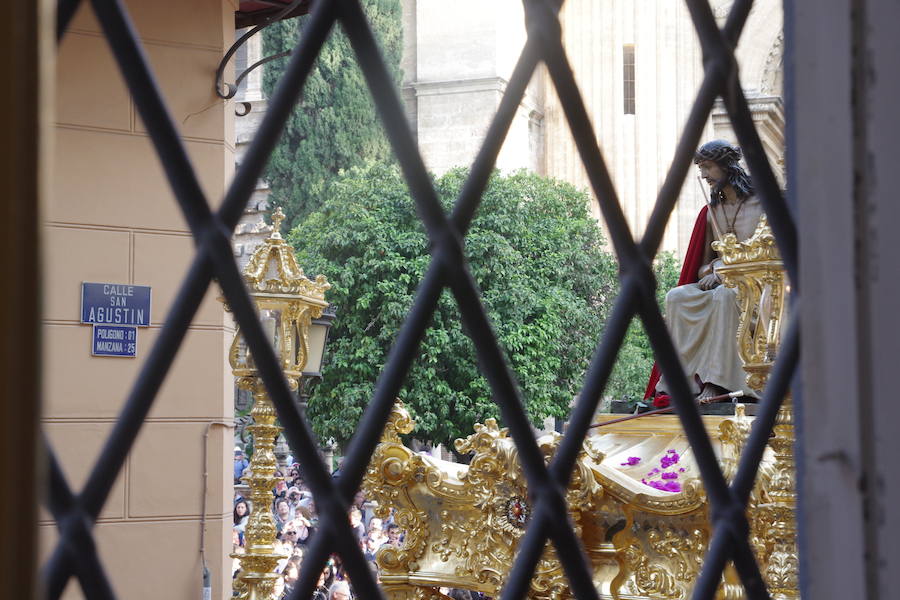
(227, 91)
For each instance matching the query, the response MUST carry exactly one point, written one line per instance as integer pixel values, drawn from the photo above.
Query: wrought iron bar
(629, 255)
(212, 233)
(690, 137)
(403, 351)
(448, 246)
(724, 508)
(193, 289)
(81, 555)
(718, 51)
(388, 385)
(722, 543)
(65, 10)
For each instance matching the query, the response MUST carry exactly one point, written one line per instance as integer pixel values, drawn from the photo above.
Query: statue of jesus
(701, 313)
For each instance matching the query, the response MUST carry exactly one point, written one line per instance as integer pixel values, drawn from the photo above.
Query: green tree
(537, 256)
(335, 125)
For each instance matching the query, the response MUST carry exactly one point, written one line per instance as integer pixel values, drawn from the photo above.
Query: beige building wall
(111, 217)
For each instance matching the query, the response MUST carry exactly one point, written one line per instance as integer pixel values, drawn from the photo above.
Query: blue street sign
(114, 340)
(115, 304)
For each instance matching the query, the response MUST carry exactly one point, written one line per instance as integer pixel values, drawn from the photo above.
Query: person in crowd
(293, 496)
(278, 589)
(283, 513)
(370, 547)
(282, 547)
(236, 562)
(359, 501)
(339, 573)
(305, 530)
(393, 535)
(294, 476)
(339, 590)
(326, 577)
(241, 515)
(291, 572)
(356, 523)
(374, 567)
(281, 488)
(376, 533)
(289, 535)
(307, 508)
(297, 554)
(240, 464)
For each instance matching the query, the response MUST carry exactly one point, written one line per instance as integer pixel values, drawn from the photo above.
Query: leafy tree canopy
(537, 256)
(335, 125)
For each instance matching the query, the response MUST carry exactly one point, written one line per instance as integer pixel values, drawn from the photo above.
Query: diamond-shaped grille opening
(76, 554)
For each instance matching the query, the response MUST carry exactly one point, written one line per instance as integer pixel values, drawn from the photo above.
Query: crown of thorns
(718, 151)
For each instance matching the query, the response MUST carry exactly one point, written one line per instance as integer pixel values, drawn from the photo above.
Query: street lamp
(288, 303)
(318, 339)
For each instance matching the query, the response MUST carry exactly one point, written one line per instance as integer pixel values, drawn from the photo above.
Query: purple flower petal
(664, 486)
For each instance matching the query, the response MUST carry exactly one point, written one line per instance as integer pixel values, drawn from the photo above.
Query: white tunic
(703, 323)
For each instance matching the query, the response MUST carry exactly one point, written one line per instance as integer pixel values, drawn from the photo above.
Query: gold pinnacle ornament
(287, 302)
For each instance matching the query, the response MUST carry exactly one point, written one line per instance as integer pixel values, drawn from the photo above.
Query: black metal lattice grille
(76, 554)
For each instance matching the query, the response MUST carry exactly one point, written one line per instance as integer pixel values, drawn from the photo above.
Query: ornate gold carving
(753, 267)
(257, 576)
(650, 578)
(399, 423)
(459, 530)
(776, 519)
(657, 558)
(288, 301)
(465, 521)
(684, 549)
(759, 247)
(463, 525)
(394, 469)
(273, 268)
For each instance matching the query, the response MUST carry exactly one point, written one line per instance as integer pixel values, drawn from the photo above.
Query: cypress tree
(335, 125)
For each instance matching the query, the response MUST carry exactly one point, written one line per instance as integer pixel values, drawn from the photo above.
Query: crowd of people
(294, 512)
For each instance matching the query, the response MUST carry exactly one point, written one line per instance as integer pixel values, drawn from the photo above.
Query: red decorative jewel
(517, 511)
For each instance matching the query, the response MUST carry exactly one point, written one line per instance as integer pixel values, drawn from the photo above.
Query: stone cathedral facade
(638, 64)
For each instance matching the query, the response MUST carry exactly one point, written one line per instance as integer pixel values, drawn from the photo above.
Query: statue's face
(712, 173)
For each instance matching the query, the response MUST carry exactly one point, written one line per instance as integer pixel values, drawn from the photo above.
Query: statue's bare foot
(709, 391)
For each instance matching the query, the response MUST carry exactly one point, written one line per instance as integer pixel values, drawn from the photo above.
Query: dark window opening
(628, 78)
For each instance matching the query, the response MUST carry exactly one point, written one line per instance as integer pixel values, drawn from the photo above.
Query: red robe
(693, 260)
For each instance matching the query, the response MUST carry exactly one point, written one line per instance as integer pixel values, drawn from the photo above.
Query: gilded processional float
(635, 497)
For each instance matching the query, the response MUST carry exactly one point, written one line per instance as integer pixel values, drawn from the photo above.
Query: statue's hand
(709, 282)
